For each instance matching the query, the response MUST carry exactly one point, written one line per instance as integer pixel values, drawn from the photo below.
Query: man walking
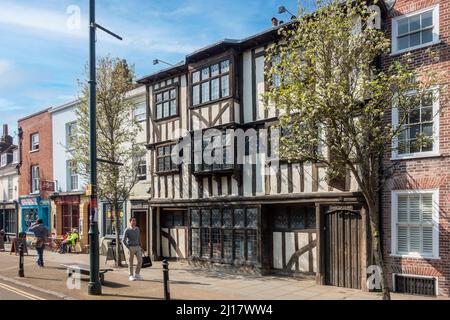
(41, 233)
(132, 240)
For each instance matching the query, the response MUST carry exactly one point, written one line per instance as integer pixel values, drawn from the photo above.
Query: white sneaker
(138, 277)
(131, 278)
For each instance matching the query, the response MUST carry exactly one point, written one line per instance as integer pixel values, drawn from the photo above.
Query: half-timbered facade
(250, 211)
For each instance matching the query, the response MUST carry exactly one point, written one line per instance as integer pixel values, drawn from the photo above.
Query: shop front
(33, 208)
(71, 212)
(8, 218)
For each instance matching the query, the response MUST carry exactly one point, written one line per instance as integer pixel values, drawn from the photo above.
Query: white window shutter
(403, 209)
(427, 236)
(414, 209)
(414, 239)
(427, 208)
(402, 239)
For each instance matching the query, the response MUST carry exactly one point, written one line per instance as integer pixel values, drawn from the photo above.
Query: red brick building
(415, 201)
(36, 168)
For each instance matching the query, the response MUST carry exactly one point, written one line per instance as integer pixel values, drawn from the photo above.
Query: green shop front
(34, 208)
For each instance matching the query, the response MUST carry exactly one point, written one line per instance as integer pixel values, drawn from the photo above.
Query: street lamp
(282, 9)
(94, 286)
(158, 61)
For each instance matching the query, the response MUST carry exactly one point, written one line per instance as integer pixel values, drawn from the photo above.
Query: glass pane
(196, 95)
(159, 97)
(228, 218)
(160, 165)
(205, 73)
(403, 26)
(178, 219)
(227, 245)
(205, 92)
(239, 218)
(166, 109)
(403, 42)
(414, 23)
(167, 164)
(195, 218)
(206, 243)
(173, 94)
(239, 245)
(427, 36)
(206, 218)
(173, 107)
(414, 116)
(298, 219)
(414, 39)
(427, 19)
(158, 111)
(252, 246)
(311, 218)
(281, 220)
(216, 243)
(252, 218)
(167, 220)
(214, 70)
(216, 218)
(225, 86)
(225, 66)
(215, 89)
(427, 100)
(166, 95)
(427, 130)
(196, 77)
(427, 114)
(414, 131)
(195, 242)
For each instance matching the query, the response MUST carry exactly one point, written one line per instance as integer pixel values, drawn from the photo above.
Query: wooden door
(342, 249)
(141, 222)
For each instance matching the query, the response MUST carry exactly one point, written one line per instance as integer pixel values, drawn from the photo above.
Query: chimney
(5, 130)
(274, 22)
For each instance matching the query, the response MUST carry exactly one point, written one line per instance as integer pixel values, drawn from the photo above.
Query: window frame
(136, 116)
(33, 143)
(70, 137)
(161, 91)
(142, 163)
(435, 29)
(217, 61)
(227, 148)
(436, 133)
(35, 179)
(173, 166)
(3, 160)
(70, 177)
(394, 222)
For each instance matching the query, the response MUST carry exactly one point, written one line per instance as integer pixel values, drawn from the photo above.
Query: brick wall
(40, 123)
(426, 173)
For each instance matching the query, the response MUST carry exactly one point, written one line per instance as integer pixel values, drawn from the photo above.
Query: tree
(116, 136)
(335, 100)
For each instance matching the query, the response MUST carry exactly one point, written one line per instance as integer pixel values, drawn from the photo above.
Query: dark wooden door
(342, 249)
(141, 222)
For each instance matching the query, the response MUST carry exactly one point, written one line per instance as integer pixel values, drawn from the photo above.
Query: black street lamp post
(94, 286)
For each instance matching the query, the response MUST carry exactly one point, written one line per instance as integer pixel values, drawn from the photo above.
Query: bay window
(164, 161)
(166, 102)
(211, 83)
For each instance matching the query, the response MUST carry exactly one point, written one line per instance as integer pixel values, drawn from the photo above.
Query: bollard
(21, 271)
(166, 280)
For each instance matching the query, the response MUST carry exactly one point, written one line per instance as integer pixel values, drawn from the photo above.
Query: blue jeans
(40, 252)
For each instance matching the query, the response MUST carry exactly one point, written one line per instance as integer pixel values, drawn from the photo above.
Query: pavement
(186, 283)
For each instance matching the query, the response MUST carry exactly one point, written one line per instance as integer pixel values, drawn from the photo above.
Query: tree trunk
(374, 220)
(118, 242)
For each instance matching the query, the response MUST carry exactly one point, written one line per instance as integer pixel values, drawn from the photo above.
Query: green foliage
(116, 130)
(334, 96)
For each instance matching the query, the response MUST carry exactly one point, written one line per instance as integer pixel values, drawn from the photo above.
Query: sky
(44, 50)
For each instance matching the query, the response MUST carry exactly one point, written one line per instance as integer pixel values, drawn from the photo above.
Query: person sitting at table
(70, 241)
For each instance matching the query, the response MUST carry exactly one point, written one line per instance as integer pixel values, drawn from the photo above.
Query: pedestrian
(40, 233)
(132, 240)
(70, 241)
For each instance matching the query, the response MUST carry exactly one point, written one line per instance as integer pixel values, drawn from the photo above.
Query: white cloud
(6, 105)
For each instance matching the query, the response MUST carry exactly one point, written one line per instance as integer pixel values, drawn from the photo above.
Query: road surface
(9, 291)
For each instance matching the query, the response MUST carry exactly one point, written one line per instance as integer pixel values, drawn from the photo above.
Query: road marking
(20, 292)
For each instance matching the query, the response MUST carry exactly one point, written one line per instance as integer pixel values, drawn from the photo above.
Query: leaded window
(294, 218)
(211, 83)
(224, 234)
(221, 144)
(164, 162)
(166, 102)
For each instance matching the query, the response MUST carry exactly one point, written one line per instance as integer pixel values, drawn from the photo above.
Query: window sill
(34, 151)
(166, 173)
(167, 118)
(400, 52)
(415, 256)
(417, 156)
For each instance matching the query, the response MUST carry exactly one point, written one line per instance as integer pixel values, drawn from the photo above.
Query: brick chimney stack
(5, 130)
(5, 140)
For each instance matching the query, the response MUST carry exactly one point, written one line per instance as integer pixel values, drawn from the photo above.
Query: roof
(35, 114)
(65, 106)
(164, 73)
